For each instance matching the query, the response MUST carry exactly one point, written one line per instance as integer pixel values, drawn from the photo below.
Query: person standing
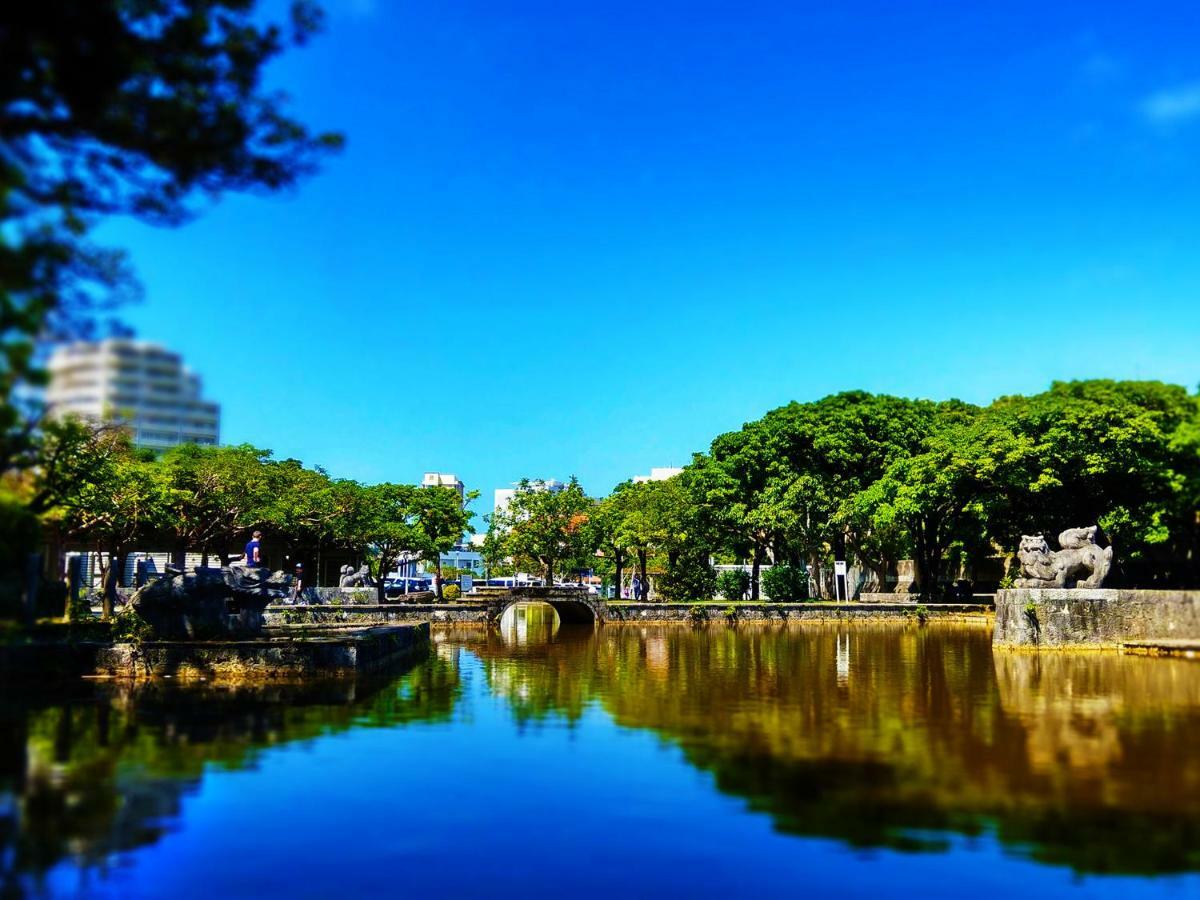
(254, 557)
(299, 583)
(635, 587)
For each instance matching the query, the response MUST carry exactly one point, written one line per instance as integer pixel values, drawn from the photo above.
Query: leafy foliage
(546, 528)
(117, 108)
(784, 582)
(733, 584)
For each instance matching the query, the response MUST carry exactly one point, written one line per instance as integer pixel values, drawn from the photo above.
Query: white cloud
(1174, 105)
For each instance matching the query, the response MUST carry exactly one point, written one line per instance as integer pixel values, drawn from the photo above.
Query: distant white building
(661, 473)
(504, 496)
(444, 479)
(140, 385)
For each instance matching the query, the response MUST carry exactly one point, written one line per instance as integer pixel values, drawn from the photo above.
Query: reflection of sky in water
(633, 760)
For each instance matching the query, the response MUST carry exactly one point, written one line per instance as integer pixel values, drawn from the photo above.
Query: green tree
(608, 531)
(943, 494)
(1113, 453)
(308, 510)
(380, 523)
(219, 493)
(729, 484)
(441, 518)
(119, 108)
(119, 501)
(544, 526)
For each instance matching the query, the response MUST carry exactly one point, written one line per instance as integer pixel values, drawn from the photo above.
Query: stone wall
(477, 612)
(335, 596)
(367, 614)
(797, 612)
(1098, 617)
(333, 655)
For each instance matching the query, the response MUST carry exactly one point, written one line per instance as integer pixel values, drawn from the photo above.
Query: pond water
(625, 761)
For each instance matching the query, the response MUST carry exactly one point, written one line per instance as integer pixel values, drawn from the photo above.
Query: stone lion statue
(1080, 563)
(351, 578)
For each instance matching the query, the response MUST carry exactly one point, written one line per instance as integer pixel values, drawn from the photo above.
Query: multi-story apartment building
(444, 479)
(140, 385)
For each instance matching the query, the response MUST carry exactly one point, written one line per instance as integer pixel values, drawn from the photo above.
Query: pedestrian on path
(254, 558)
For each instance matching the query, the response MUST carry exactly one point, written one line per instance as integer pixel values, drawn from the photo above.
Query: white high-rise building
(445, 479)
(140, 385)
(661, 473)
(503, 496)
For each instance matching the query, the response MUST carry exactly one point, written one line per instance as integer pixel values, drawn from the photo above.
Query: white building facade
(140, 385)
(504, 496)
(661, 473)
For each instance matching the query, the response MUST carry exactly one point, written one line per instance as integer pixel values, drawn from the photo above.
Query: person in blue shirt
(254, 551)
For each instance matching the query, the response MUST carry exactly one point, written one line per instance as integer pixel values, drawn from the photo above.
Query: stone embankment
(481, 612)
(277, 656)
(1096, 618)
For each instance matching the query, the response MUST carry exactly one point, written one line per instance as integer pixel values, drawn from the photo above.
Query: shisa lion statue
(1081, 562)
(351, 578)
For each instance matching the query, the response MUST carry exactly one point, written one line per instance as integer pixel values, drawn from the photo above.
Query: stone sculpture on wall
(352, 579)
(1080, 563)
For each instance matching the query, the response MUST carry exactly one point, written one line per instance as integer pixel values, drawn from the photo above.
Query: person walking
(254, 557)
(299, 583)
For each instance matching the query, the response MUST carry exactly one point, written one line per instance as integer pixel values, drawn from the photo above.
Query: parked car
(394, 587)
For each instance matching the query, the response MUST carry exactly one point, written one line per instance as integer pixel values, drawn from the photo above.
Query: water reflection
(876, 737)
(526, 623)
(891, 737)
(103, 769)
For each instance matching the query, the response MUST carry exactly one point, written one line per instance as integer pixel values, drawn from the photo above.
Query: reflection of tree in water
(104, 769)
(541, 679)
(887, 737)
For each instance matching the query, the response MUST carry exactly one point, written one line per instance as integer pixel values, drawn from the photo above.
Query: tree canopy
(111, 107)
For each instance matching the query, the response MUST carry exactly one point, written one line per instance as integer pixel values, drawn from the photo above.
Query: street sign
(839, 580)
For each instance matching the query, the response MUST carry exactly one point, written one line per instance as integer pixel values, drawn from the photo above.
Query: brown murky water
(853, 760)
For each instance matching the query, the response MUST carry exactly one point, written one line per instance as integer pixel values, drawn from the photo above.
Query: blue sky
(584, 238)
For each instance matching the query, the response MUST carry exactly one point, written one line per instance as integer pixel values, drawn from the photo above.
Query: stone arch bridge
(575, 606)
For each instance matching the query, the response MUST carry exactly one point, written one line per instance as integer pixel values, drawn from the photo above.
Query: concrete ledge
(369, 614)
(1093, 618)
(1189, 649)
(807, 612)
(342, 654)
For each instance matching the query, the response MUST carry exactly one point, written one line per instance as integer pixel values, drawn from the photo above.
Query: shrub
(734, 584)
(784, 582)
(689, 578)
(451, 592)
(130, 628)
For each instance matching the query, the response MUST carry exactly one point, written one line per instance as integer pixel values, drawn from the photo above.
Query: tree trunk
(111, 578)
(380, 594)
(814, 576)
(179, 556)
(642, 564)
(619, 559)
(438, 569)
(927, 558)
(755, 566)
